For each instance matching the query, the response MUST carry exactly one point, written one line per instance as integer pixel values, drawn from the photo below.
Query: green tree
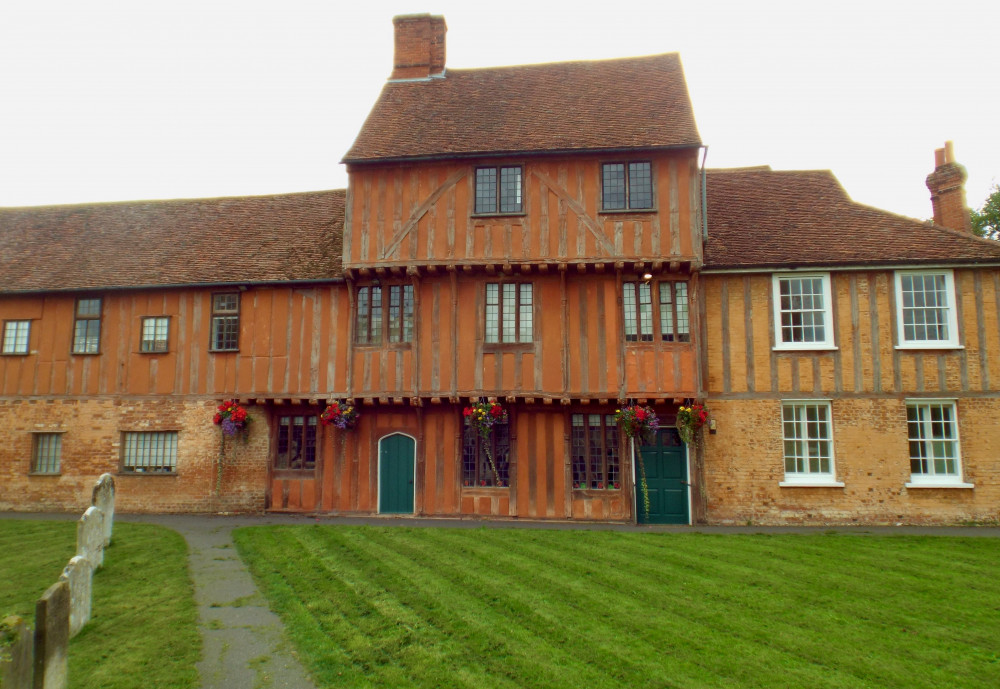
(986, 221)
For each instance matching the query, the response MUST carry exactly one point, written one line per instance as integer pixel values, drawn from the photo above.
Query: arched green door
(666, 475)
(396, 458)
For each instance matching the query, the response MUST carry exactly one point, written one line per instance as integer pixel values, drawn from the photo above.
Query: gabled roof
(638, 102)
(758, 217)
(179, 242)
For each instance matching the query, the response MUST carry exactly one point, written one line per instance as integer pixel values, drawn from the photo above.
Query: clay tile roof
(600, 105)
(759, 217)
(156, 243)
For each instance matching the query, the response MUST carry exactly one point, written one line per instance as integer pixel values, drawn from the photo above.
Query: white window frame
(828, 341)
(951, 318)
(932, 479)
(809, 479)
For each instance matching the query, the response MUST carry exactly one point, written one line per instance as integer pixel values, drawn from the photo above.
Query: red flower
(496, 411)
(640, 414)
(467, 412)
(217, 420)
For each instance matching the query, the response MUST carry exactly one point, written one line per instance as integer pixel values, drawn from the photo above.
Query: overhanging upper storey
(582, 164)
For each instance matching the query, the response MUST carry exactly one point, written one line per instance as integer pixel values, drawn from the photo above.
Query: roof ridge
(195, 199)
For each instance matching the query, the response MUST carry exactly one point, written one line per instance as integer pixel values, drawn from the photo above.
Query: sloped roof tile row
(155, 243)
(571, 106)
(758, 217)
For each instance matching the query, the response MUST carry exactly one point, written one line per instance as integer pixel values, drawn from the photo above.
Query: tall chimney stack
(419, 50)
(947, 186)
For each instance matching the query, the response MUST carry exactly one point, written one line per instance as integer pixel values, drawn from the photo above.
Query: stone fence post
(16, 646)
(52, 637)
(104, 500)
(90, 537)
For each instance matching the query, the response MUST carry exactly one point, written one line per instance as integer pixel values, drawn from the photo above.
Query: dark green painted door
(666, 475)
(395, 477)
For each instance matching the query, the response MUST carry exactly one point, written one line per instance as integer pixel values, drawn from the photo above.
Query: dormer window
(627, 186)
(499, 190)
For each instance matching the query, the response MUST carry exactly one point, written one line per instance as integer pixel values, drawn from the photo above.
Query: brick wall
(91, 445)
(745, 465)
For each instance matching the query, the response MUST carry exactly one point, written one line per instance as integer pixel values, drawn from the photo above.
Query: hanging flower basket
(637, 421)
(232, 418)
(690, 420)
(482, 416)
(342, 415)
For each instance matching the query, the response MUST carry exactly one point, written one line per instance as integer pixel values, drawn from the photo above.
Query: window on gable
(296, 446)
(627, 186)
(932, 431)
(671, 311)
(149, 452)
(226, 322)
(509, 312)
(476, 469)
(16, 336)
(925, 309)
(594, 447)
(155, 330)
(802, 312)
(499, 190)
(46, 452)
(87, 327)
(808, 442)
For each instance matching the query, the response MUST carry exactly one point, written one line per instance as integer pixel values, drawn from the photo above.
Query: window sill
(806, 349)
(15, 353)
(85, 353)
(507, 346)
(53, 474)
(811, 484)
(153, 353)
(223, 351)
(928, 345)
(147, 473)
(597, 492)
(488, 489)
(516, 214)
(650, 343)
(627, 211)
(963, 486)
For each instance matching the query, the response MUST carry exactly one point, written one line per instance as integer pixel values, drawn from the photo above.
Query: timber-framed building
(544, 236)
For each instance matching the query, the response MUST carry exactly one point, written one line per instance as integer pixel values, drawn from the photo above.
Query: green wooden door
(666, 475)
(395, 474)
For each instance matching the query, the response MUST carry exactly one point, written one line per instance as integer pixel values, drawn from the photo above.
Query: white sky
(105, 100)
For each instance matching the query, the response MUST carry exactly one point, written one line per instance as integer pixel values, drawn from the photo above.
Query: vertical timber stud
(351, 298)
(565, 328)
(420, 464)
(568, 463)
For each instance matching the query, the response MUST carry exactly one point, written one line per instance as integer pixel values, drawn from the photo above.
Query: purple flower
(230, 427)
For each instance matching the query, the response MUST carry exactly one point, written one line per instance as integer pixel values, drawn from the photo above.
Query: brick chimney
(947, 185)
(419, 51)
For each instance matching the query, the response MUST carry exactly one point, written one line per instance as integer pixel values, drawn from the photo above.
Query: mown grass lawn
(143, 630)
(392, 607)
